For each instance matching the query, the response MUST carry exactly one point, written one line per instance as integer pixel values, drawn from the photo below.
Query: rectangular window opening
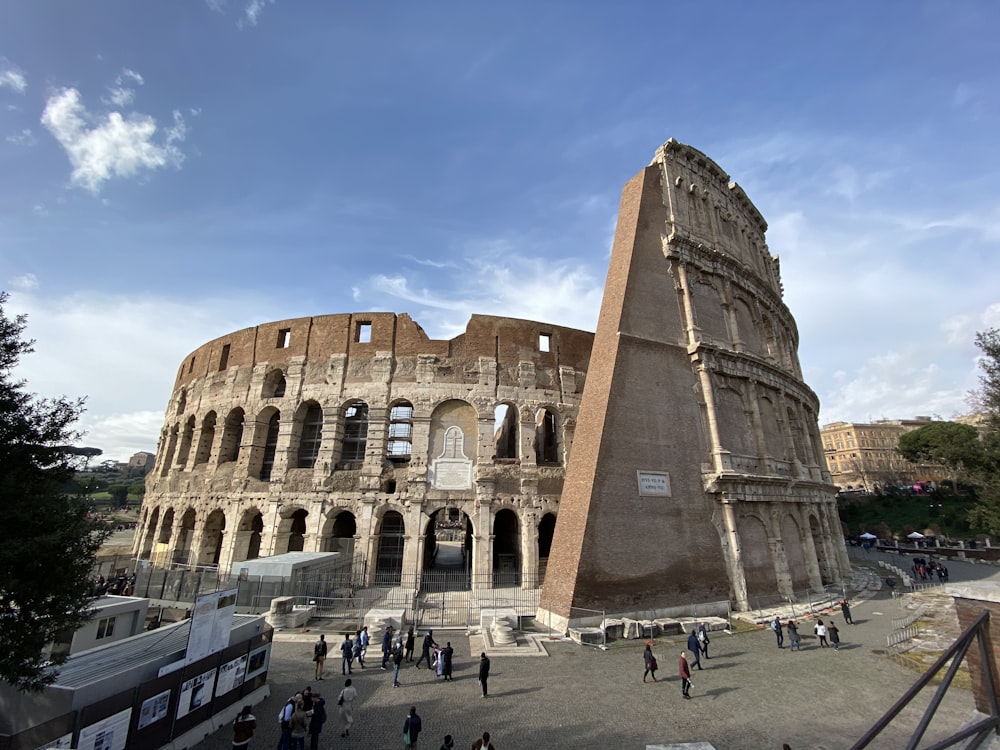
(284, 338)
(224, 357)
(191, 365)
(544, 342)
(363, 334)
(106, 628)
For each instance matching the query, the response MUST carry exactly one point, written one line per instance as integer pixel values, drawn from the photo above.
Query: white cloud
(24, 282)
(23, 138)
(11, 77)
(252, 11)
(122, 95)
(113, 146)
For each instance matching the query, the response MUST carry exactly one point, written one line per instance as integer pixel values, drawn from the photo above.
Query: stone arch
(774, 444)
(447, 550)
(546, 529)
(150, 536)
(354, 442)
(308, 429)
(452, 445)
(168, 456)
(291, 531)
(735, 431)
(249, 532)
(399, 432)
(185, 537)
(825, 568)
(212, 534)
(505, 431)
(265, 443)
(745, 327)
(166, 527)
(274, 385)
(506, 548)
(799, 442)
(709, 310)
(791, 538)
(547, 437)
(339, 530)
(391, 543)
(232, 436)
(187, 438)
(206, 439)
(758, 567)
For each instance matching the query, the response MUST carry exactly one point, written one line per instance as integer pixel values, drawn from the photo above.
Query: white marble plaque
(653, 483)
(452, 470)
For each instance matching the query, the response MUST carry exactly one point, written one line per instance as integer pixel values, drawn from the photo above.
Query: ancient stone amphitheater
(696, 473)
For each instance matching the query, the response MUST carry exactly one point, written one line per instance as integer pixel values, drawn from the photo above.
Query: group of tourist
(119, 585)
(304, 714)
(925, 570)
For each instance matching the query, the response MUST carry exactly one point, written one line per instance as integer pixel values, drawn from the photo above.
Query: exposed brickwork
(968, 611)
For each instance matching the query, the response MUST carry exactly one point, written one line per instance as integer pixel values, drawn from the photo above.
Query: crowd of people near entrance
(118, 585)
(925, 569)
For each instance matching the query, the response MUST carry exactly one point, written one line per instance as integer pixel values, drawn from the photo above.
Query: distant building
(142, 461)
(865, 456)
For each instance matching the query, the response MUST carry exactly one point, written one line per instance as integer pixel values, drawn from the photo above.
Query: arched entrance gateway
(447, 563)
(339, 532)
(389, 557)
(506, 549)
(211, 539)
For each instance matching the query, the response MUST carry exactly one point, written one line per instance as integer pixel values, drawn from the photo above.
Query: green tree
(119, 495)
(950, 444)
(986, 479)
(47, 541)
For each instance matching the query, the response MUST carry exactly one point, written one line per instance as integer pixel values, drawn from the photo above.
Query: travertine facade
(696, 471)
(354, 431)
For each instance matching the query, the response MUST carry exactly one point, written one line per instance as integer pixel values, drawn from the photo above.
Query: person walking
(359, 652)
(346, 703)
(397, 659)
(650, 662)
(446, 656)
(845, 608)
(365, 641)
(703, 639)
(410, 641)
(695, 649)
(820, 630)
(834, 633)
(795, 640)
(425, 650)
(484, 671)
(317, 720)
(346, 655)
(685, 673)
(319, 655)
(386, 645)
(243, 727)
(776, 627)
(483, 743)
(411, 728)
(285, 721)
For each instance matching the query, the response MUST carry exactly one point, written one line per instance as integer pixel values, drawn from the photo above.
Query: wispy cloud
(252, 11)
(22, 138)
(116, 145)
(12, 77)
(122, 94)
(24, 282)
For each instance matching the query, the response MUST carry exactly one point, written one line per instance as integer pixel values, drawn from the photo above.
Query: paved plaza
(750, 694)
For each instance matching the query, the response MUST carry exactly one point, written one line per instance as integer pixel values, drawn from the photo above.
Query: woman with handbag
(650, 661)
(346, 702)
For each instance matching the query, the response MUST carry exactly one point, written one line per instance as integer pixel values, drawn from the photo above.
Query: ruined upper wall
(510, 341)
(707, 209)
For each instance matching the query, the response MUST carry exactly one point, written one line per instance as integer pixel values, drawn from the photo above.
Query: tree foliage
(949, 444)
(987, 477)
(47, 540)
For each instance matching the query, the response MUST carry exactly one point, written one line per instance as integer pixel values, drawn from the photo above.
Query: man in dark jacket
(695, 648)
(317, 720)
(425, 650)
(412, 727)
(446, 655)
(484, 671)
(386, 645)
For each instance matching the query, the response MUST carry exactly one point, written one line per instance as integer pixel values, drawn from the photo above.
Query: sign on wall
(231, 675)
(258, 661)
(195, 693)
(106, 734)
(653, 483)
(211, 623)
(153, 709)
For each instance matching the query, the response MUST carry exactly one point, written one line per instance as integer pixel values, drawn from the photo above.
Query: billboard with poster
(211, 623)
(195, 693)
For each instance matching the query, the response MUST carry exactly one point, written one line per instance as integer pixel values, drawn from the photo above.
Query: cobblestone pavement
(750, 694)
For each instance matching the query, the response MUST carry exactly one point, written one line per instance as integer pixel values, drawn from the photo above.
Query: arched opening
(546, 528)
(186, 439)
(311, 436)
(339, 532)
(168, 457)
(211, 538)
(506, 549)
(270, 447)
(504, 432)
(791, 540)
(232, 437)
(355, 434)
(248, 535)
(291, 532)
(447, 563)
(826, 574)
(147, 543)
(758, 565)
(399, 446)
(274, 384)
(185, 535)
(546, 438)
(389, 559)
(167, 527)
(205, 439)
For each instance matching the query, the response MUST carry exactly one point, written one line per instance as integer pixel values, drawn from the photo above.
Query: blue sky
(170, 172)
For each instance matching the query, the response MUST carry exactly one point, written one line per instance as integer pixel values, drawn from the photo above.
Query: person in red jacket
(243, 727)
(685, 672)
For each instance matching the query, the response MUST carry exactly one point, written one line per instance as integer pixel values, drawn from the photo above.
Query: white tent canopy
(914, 535)
(868, 535)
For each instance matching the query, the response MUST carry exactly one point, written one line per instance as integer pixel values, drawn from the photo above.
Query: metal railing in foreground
(978, 631)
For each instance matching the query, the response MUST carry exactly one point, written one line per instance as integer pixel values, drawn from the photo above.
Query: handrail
(956, 652)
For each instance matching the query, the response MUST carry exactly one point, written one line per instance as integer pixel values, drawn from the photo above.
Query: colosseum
(672, 457)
